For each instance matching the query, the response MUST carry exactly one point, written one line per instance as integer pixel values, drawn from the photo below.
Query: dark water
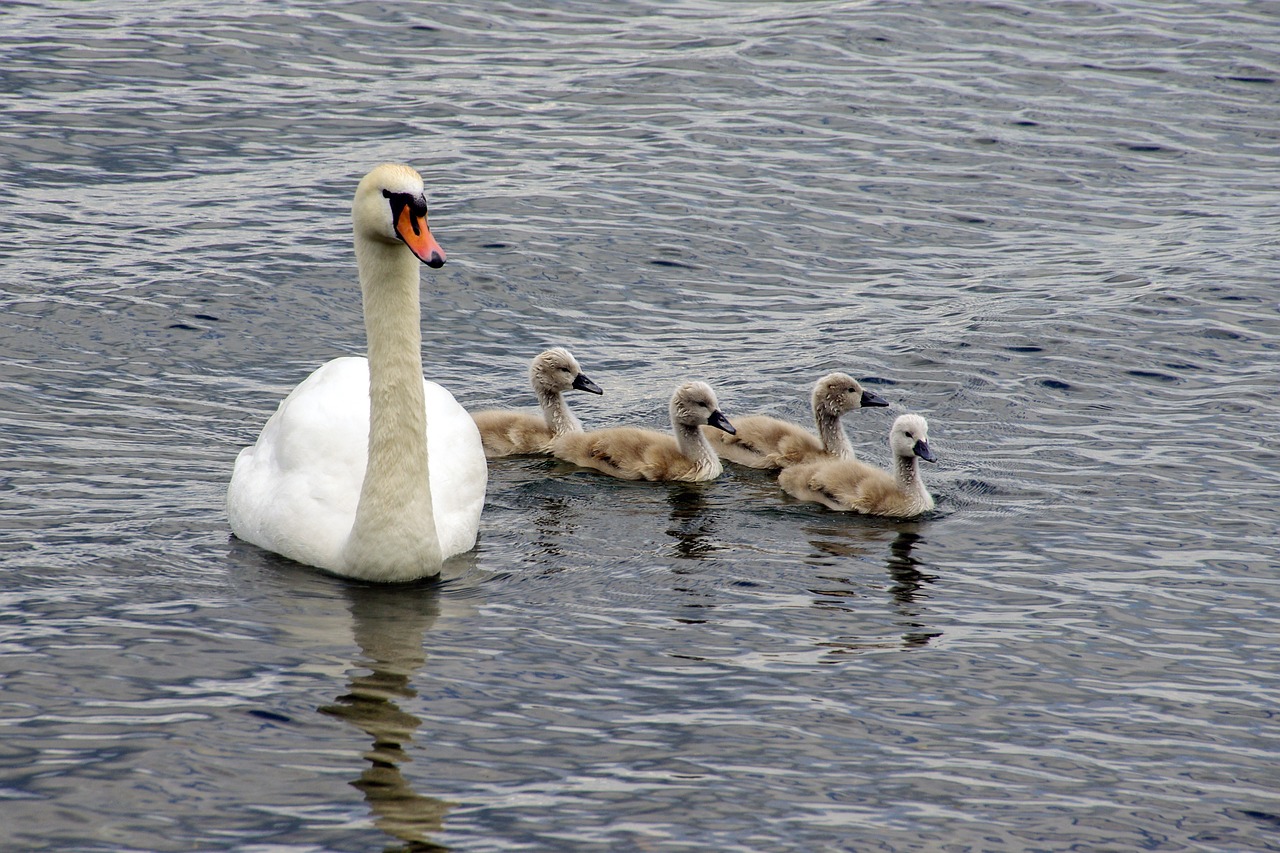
(1049, 227)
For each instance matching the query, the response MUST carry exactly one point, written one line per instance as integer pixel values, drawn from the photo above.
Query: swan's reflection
(390, 625)
(908, 581)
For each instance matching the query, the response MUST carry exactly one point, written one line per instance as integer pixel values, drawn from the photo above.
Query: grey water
(1053, 228)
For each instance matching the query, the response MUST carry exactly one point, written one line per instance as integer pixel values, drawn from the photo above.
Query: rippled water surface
(1049, 227)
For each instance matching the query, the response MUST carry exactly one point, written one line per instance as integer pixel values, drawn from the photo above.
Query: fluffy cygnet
(852, 486)
(762, 441)
(505, 432)
(633, 453)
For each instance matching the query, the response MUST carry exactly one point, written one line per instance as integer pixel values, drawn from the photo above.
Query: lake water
(1052, 228)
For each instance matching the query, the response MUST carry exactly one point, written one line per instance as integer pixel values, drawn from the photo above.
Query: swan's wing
(458, 470)
(295, 490)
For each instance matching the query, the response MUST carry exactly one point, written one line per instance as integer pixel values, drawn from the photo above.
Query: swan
(762, 441)
(633, 453)
(846, 484)
(366, 470)
(508, 433)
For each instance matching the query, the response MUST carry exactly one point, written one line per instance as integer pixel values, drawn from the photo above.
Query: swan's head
(837, 393)
(695, 404)
(910, 437)
(391, 207)
(557, 370)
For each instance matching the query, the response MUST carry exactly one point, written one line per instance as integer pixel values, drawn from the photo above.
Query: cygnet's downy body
(852, 486)
(635, 453)
(507, 432)
(763, 441)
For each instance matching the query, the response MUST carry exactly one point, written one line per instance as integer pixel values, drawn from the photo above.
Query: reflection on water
(390, 626)
(908, 582)
(692, 526)
(691, 523)
(551, 527)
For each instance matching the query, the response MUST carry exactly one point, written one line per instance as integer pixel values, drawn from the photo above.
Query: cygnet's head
(910, 437)
(390, 207)
(695, 404)
(837, 393)
(557, 370)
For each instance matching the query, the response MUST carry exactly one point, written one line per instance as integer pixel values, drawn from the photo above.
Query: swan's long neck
(831, 433)
(394, 530)
(695, 447)
(907, 472)
(556, 412)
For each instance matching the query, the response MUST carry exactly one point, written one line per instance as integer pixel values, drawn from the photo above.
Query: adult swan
(366, 470)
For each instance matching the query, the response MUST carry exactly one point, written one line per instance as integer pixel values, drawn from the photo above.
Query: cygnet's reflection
(908, 581)
(553, 525)
(390, 625)
(690, 523)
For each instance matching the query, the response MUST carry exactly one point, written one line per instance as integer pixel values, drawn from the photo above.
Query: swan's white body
(367, 470)
(296, 490)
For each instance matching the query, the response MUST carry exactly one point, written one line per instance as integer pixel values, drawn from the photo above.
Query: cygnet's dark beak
(871, 398)
(582, 383)
(719, 421)
(922, 450)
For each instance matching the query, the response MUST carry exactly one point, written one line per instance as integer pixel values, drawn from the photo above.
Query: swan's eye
(417, 204)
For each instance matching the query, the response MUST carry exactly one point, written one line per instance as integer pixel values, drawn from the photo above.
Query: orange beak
(415, 234)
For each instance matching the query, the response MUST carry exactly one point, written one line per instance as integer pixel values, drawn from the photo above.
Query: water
(1049, 227)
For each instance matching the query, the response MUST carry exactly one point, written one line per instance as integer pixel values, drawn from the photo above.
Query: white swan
(849, 485)
(340, 477)
(634, 453)
(762, 441)
(509, 433)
